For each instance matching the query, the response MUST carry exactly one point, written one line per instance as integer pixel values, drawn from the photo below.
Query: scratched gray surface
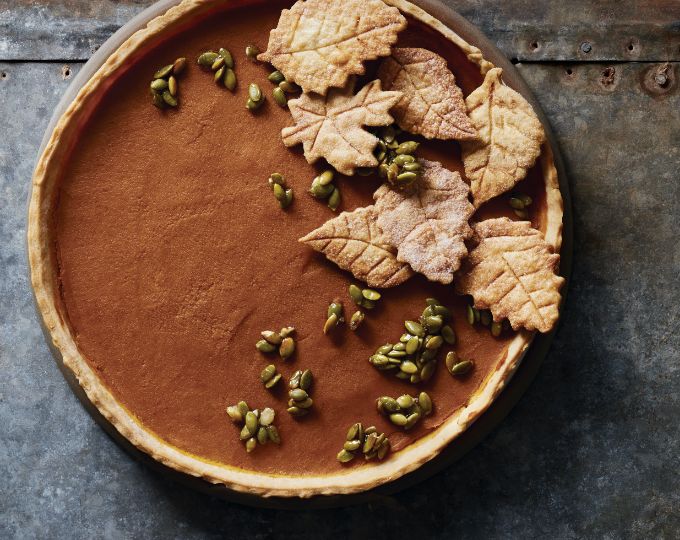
(593, 448)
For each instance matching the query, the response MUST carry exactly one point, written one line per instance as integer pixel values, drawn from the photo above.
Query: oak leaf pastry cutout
(432, 105)
(353, 241)
(319, 44)
(429, 225)
(511, 271)
(331, 126)
(510, 138)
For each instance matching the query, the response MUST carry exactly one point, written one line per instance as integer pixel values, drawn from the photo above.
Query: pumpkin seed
(344, 456)
(523, 214)
(253, 105)
(306, 380)
(271, 337)
(251, 444)
(451, 360)
(268, 373)
(408, 147)
(280, 97)
(288, 200)
(251, 422)
(172, 86)
(276, 178)
(273, 434)
(485, 317)
(370, 294)
(411, 420)
(427, 371)
(385, 349)
(334, 199)
(267, 416)
(304, 404)
(229, 79)
(408, 367)
(425, 402)
(356, 320)
(356, 431)
(384, 448)
(217, 64)
(412, 167)
(252, 51)
(331, 322)
(326, 177)
(158, 85)
(448, 334)
(470, 314)
(496, 328)
(242, 408)
(412, 345)
(219, 74)
(254, 92)
(245, 433)
(403, 159)
(434, 342)
(287, 348)
(405, 401)
(399, 347)
(279, 192)
(525, 199)
(298, 394)
(296, 411)
(392, 172)
(228, 59)
(442, 311)
(264, 347)
(274, 380)
(207, 58)
(276, 77)
(169, 98)
(356, 295)
(406, 177)
(287, 331)
(289, 87)
(179, 65)
(433, 324)
(396, 354)
(461, 368)
(398, 419)
(414, 328)
(516, 203)
(163, 72)
(262, 436)
(351, 446)
(234, 413)
(369, 442)
(320, 191)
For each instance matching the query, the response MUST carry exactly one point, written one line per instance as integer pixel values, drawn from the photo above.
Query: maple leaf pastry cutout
(511, 270)
(428, 225)
(319, 44)
(510, 138)
(432, 105)
(353, 241)
(331, 126)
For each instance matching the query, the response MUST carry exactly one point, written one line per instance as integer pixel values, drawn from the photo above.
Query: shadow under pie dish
(159, 252)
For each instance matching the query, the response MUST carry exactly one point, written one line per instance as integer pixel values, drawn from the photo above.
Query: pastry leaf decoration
(320, 43)
(510, 138)
(331, 126)
(353, 241)
(432, 105)
(511, 271)
(429, 225)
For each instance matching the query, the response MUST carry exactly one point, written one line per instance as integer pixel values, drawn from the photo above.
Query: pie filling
(173, 256)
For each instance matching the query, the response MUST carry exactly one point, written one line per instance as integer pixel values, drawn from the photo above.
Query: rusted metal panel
(547, 30)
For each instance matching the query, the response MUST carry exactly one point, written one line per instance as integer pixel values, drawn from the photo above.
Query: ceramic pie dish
(158, 255)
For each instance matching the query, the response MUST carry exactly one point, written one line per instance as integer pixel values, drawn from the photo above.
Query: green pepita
(273, 434)
(496, 328)
(414, 328)
(356, 295)
(276, 77)
(163, 72)
(178, 66)
(448, 334)
(356, 320)
(229, 79)
(264, 346)
(461, 368)
(398, 419)
(207, 58)
(408, 147)
(334, 199)
(217, 64)
(271, 337)
(228, 59)
(268, 373)
(254, 92)
(287, 348)
(344, 456)
(306, 380)
(158, 85)
(169, 99)
(370, 294)
(280, 97)
(252, 51)
(289, 87)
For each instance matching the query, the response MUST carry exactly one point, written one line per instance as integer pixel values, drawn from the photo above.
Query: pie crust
(43, 266)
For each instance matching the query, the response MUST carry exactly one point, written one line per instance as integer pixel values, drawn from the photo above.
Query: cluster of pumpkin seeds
(334, 316)
(414, 357)
(282, 88)
(397, 161)
(164, 87)
(323, 188)
(456, 366)
(300, 384)
(270, 376)
(363, 298)
(406, 410)
(520, 203)
(257, 425)
(366, 441)
(282, 342)
(284, 195)
(485, 317)
(221, 63)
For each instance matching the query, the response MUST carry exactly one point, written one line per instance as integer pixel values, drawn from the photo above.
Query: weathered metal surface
(592, 449)
(527, 30)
